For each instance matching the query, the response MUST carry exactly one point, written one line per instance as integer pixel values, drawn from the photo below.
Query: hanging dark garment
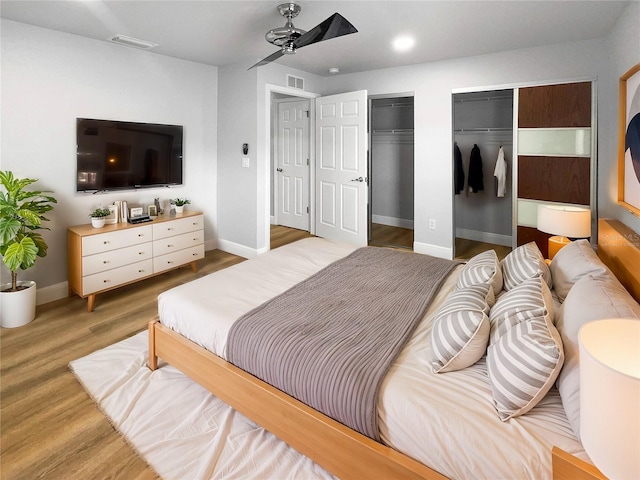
(458, 170)
(475, 170)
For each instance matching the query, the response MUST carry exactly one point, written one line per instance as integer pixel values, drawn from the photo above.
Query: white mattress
(446, 421)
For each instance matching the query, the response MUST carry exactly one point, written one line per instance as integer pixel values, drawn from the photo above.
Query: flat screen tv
(114, 155)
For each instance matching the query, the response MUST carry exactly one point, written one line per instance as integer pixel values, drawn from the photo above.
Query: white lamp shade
(610, 395)
(573, 222)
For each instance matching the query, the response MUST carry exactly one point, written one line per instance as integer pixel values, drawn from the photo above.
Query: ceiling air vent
(132, 42)
(295, 82)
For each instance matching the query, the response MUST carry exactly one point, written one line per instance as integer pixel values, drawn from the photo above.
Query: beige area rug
(178, 427)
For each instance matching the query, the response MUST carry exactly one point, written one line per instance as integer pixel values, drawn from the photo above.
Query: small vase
(179, 208)
(97, 222)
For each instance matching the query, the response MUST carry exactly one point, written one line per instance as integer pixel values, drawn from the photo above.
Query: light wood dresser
(101, 259)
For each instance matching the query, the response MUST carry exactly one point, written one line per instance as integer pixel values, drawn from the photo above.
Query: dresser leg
(194, 267)
(90, 300)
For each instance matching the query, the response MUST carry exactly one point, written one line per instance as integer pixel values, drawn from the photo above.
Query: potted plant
(98, 217)
(180, 203)
(21, 215)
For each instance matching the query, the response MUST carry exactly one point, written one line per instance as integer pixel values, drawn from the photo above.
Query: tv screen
(114, 155)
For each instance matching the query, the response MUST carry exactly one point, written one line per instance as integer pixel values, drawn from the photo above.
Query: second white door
(292, 164)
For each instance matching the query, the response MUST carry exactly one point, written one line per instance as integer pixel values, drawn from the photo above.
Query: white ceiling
(224, 32)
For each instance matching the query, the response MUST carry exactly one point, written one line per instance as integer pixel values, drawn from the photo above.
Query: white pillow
(461, 328)
(573, 262)
(591, 298)
(483, 268)
(523, 263)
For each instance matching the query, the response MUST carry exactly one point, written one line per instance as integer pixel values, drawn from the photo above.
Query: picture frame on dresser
(113, 216)
(629, 141)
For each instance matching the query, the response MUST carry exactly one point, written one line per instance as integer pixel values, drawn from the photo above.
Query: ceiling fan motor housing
(284, 36)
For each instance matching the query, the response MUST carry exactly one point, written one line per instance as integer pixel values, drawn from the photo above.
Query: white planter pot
(179, 208)
(98, 222)
(17, 308)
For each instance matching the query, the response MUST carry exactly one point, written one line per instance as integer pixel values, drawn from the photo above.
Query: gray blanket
(329, 340)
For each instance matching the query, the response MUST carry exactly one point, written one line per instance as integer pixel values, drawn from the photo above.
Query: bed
(441, 425)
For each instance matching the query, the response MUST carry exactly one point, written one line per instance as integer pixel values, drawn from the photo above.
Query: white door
(341, 167)
(292, 164)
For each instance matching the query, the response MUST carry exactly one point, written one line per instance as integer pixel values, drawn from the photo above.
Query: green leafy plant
(100, 213)
(21, 215)
(180, 201)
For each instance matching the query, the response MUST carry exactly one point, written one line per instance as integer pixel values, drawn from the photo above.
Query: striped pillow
(532, 298)
(523, 365)
(483, 268)
(461, 328)
(523, 263)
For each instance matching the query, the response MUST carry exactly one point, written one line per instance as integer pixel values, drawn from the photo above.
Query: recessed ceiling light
(334, 70)
(403, 43)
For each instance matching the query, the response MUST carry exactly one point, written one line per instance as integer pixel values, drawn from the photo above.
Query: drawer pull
(106, 281)
(194, 254)
(140, 271)
(141, 234)
(169, 261)
(170, 228)
(106, 242)
(105, 261)
(195, 223)
(140, 253)
(169, 246)
(195, 239)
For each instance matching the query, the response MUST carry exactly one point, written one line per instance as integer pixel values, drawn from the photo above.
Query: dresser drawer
(176, 259)
(104, 242)
(177, 227)
(101, 262)
(179, 242)
(117, 276)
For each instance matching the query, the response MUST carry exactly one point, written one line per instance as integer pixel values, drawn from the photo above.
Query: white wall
(623, 50)
(432, 85)
(51, 78)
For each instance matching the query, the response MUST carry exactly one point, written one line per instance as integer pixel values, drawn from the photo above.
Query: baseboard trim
(433, 250)
(392, 221)
(487, 237)
(52, 293)
(237, 249)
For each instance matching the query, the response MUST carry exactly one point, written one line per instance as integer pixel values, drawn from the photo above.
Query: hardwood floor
(465, 249)
(385, 235)
(50, 427)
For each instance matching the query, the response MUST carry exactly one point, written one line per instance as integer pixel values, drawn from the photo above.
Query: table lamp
(610, 395)
(563, 222)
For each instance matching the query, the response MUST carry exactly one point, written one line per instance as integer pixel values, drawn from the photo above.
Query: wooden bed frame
(340, 450)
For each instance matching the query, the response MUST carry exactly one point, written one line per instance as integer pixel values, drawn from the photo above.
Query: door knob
(359, 179)
(278, 170)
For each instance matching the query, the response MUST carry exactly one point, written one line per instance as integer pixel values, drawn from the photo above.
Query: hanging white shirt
(500, 173)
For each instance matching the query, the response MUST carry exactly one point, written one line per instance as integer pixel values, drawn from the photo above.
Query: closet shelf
(393, 105)
(481, 130)
(483, 99)
(393, 130)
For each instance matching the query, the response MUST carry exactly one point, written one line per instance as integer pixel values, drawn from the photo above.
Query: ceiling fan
(290, 38)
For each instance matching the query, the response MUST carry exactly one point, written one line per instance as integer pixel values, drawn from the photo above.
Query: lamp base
(555, 244)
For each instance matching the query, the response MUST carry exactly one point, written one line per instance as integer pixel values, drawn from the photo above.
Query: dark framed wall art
(629, 141)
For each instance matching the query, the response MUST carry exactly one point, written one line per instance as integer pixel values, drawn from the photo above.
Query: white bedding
(446, 421)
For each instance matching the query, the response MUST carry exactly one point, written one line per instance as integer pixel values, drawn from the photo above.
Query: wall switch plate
(245, 162)
(432, 223)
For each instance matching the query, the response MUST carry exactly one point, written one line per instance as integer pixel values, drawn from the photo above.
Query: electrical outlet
(432, 224)
(245, 162)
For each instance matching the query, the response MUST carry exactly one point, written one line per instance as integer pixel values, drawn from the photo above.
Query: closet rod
(392, 105)
(481, 99)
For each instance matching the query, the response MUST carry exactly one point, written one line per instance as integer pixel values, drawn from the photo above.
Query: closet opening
(391, 171)
(483, 160)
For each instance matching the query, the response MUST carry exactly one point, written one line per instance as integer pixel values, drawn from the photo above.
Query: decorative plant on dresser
(98, 217)
(179, 203)
(21, 215)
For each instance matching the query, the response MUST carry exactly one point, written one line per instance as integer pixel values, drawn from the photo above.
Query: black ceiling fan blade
(334, 26)
(269, 59)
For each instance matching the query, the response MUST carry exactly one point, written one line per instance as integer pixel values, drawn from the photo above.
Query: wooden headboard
(619, 249)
